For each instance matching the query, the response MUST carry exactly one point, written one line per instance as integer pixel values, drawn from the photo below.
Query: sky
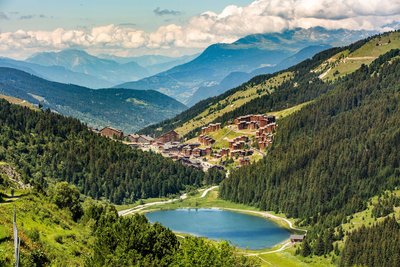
(172, 27)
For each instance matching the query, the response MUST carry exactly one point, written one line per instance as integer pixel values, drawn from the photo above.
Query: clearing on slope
(347, 61)
(18, 101)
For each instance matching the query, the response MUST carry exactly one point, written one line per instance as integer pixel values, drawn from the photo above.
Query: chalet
(296, 238)
(170, 136)
(144, 139)
(197, 152)
(111, 133)
(244, 161)
(206, 140)
(224, 152)
(211, 128)
(217, 155)
(133, 138)
(187, 151)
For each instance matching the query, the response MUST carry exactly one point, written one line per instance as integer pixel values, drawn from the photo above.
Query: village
(242, 141)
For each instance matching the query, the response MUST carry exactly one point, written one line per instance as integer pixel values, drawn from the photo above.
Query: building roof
(297, 236)
(111, 128)
(146, 137)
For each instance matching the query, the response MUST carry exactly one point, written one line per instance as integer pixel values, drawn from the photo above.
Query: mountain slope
(82, 62)
(330, 157)
(55, 73)
(245, 55)
(236, 78)
(126, 109)
(267, 93)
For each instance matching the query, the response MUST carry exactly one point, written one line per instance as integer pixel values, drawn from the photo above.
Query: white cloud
(200, 31)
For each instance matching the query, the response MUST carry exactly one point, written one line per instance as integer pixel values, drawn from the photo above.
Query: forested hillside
(361, 247)
(332, 155)
(47, 146)
(266, 93)
(129, 110)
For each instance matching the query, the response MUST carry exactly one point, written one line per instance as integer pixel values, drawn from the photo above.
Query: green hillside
(330, 157)
(279, 91)
(59, 225)
(348, 61)
(47, 146)
(50, 236)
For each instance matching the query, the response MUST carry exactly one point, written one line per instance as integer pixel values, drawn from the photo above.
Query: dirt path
(324, 74)
(205, 192)
(141, 207)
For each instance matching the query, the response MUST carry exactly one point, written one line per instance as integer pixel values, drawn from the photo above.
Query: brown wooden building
(111, 133)
(170, 136)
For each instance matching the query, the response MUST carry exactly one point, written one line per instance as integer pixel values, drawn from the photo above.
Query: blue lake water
(241, 230)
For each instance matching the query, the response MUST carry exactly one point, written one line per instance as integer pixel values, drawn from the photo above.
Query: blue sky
(172, 27)
(50, 14)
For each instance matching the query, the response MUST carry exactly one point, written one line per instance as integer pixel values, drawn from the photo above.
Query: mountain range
(55, 73)
(126, 109)
(153, 63)
(245, 55)
(82, 62)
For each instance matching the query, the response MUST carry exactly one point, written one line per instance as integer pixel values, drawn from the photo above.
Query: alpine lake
(240, 229)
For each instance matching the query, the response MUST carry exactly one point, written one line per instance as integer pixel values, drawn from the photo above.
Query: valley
(297, 167)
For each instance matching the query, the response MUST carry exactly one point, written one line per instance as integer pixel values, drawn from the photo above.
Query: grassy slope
(19, 102)
(35, 213)
(347, 62)
(233, 101)
(64, 241)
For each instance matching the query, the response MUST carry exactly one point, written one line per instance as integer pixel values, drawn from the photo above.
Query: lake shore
(208, 198)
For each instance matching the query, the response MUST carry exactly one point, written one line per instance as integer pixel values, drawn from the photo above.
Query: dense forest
(46, 145)
(378, 245)
(330, 157)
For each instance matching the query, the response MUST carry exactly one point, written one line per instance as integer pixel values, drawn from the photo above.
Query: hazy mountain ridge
(82, 62)
(153, 63)
(55, 73)
(245, 55)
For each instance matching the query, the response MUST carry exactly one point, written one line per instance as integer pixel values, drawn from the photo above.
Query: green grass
(288, 259)
(64, 241)
(365, 217)
(345, 62)
(289, 111)
(138, 202)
